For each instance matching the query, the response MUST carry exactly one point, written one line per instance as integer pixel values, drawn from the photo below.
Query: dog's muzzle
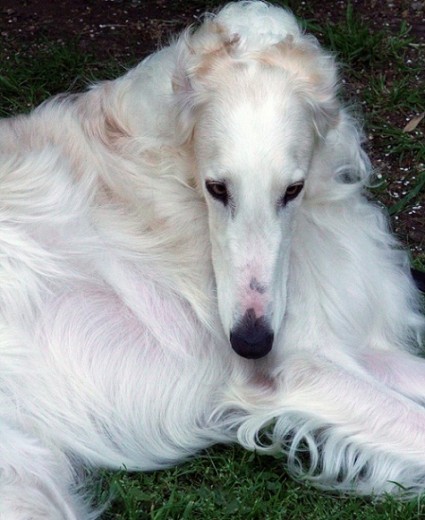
(252, 338)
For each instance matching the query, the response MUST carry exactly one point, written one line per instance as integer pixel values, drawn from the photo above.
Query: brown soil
(120, 28)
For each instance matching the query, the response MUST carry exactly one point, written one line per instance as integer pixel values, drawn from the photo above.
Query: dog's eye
(292, 192)
(218, 190)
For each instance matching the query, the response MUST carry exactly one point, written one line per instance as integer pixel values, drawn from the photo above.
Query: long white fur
(115, 304)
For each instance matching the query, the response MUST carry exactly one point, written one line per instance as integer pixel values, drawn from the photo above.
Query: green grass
(229, 482)
(29, 77)
(232, 483)
(26, 80)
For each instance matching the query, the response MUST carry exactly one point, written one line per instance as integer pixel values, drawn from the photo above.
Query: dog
(188, 258)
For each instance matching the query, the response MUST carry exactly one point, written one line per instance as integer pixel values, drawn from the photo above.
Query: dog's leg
(360, 435)
(365, 435)
(400, 371)
(34, 482)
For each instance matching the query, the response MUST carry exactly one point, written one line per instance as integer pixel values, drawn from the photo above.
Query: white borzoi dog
(186, 257)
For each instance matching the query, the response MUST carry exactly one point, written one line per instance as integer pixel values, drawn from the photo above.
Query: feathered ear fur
(197, 55)
(314, 75)
(265, 35)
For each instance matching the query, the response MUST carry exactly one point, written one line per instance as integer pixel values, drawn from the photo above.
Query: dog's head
(255, 97)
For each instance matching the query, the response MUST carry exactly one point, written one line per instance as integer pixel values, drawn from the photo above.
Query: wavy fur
(113, 342)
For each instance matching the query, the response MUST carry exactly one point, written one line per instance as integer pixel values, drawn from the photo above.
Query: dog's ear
(197, 54)
(198, 51)
(340, 166)
(314, 75)
(184, 92)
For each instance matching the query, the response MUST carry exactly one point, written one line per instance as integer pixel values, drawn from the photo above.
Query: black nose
(252, 337)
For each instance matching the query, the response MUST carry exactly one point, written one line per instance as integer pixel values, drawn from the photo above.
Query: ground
(124, 28)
